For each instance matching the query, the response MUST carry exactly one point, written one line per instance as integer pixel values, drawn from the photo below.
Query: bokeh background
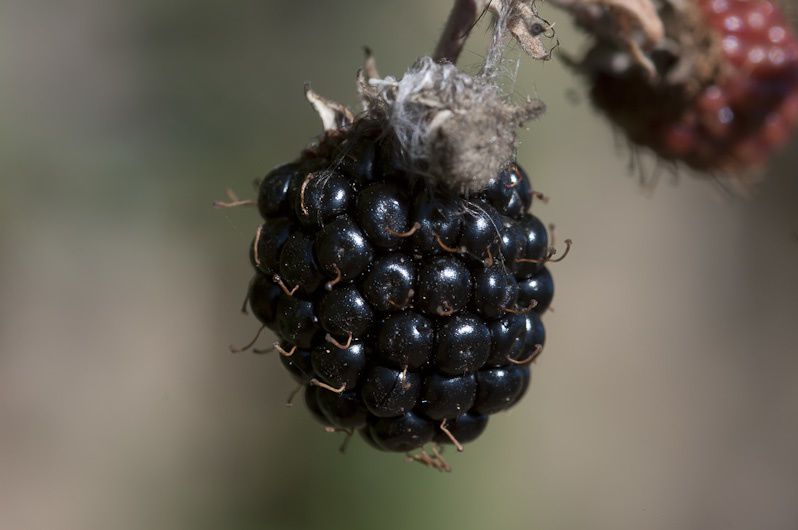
(667, 397)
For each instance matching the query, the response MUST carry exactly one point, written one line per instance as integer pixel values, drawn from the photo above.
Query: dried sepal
(333, 114)
(365, 75)
(636, 24)
(629, 16)
(370, 65)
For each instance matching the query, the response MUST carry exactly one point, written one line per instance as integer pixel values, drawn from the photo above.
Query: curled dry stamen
(530, 358)
(405, 303)
(284, 353)
(279, 281)
(321, 384)
(434, 460)
(523, 311)
(549, 258)
(332, 340)
(489, 259)
(568, 244)
(447, 248)
(446, 309)
(244, 304)
(347, 432)
(403, 378)
(451, 437)
(251, 343)
(256, 244)
(541, 197)
(308, 178)
(290, 401)
(267, 350)
(338, 277)
(413, 229)
(233, 201)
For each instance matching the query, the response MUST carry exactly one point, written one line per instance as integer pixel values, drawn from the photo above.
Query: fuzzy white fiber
(456, 129)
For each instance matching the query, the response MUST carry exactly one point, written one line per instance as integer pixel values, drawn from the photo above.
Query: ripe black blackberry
(412, 309)
(403, 275)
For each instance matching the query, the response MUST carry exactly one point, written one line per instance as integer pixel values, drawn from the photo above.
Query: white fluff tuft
(456, 129)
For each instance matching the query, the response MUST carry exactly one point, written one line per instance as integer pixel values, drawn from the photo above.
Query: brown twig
(461, 19)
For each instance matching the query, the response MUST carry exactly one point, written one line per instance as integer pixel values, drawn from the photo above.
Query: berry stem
(462, 18)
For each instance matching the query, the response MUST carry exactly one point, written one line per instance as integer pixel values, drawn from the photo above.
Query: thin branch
(462, 18)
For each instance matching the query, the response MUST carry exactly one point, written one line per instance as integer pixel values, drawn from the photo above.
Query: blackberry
(407, 303)
(401, 306)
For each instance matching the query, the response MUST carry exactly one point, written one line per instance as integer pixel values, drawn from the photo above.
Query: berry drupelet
(408, 311)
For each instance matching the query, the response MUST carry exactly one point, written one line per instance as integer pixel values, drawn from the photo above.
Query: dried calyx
(633, 26)
(455, 129)
(666, 40)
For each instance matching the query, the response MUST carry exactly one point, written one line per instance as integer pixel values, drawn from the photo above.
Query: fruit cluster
(408, 313)
(744, 59)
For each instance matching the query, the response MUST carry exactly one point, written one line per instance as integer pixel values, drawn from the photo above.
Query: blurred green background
(666, 399)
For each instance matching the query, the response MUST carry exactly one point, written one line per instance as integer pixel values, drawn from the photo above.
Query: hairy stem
(461, 19)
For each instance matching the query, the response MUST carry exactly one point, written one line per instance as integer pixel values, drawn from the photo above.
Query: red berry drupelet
(409, 312)
(724, 93)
